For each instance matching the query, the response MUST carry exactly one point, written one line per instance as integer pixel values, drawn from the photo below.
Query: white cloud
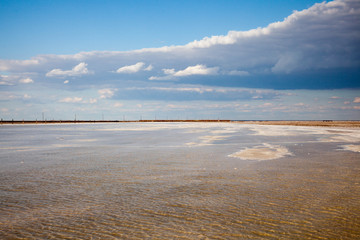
(140, 66)
(5, 80)
(26, 80)
(322, 39)
(26, 96)
(93, 100)
(6, 65)
(357, 100)
(299, 104)
(324, 36)
(162, 78)
(106, 93)
(71, 100)
(117, 105)
(149, 68)
(78, 70)
(199, 69)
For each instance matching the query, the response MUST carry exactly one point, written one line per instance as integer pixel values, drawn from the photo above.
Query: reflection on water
(168, 181)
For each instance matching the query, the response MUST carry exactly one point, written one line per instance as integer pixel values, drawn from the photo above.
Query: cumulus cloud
(91, 101)
(322, 37)
(5, 80)
(140, 66)
(283, 55)
(196, 70)
(149, 68)
(117, 105)
(26, 80)
(199, 69)
(26, 96)
(299, 104)
(8, 65)
(78, 70)
(106, 93)
(71, 100)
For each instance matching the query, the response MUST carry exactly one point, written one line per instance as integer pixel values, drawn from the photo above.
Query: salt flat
(179, 180)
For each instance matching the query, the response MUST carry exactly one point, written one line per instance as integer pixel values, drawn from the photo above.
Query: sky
(238, 60)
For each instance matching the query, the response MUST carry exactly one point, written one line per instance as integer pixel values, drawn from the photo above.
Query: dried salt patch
(276, 131)
(223, 131)
(342, 138)
(263, 152)
(351, 147)
(207, 140)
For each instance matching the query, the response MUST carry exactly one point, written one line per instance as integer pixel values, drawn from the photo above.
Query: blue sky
(68, 27)
(180, 59)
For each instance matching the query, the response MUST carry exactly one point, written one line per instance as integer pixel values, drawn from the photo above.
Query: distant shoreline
(324, 123)
(315, 123)
(98, 121)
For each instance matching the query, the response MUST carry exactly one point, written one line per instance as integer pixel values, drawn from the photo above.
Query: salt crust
(351, 147)
(262, 152)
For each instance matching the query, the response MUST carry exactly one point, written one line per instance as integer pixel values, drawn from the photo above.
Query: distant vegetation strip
(98, 121)
(323, 123)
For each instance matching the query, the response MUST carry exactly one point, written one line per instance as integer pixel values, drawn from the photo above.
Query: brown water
(145, 181)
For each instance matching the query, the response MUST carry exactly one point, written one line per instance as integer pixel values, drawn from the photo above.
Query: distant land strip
(310, 123)
(97, 121)
(322, 123)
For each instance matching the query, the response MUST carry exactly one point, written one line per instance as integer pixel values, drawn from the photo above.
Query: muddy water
(184, 181)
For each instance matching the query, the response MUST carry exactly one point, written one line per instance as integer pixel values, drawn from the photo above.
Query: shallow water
(178, 180)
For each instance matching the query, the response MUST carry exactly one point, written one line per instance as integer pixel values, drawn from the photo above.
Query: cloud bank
(320, 38)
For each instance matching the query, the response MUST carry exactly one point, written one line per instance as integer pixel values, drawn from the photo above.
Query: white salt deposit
(262, 152)
(351, 147)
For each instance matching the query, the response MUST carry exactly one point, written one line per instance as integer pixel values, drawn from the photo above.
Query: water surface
(178, 180)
